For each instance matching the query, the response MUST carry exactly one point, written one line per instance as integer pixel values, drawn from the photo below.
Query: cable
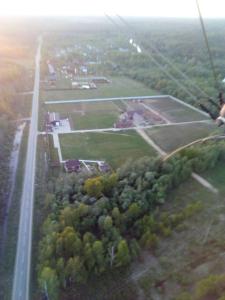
(207, 45)
(183, 87)
(202, 140)
(169, 62)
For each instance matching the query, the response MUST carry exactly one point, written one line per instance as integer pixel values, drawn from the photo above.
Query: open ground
(119, 87)
(96, 132)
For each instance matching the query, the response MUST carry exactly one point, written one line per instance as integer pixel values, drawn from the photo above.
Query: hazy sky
(164, 8)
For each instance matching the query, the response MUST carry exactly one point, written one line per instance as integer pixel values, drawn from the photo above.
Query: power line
(207, 45)
(162, 68)
(169, 62)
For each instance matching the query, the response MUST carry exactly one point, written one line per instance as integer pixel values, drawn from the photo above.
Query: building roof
(72, 165)
(104, 167)
(53, 117)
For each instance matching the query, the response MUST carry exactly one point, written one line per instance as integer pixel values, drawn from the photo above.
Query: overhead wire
(168, 61)
(162, 68)
(207, 45)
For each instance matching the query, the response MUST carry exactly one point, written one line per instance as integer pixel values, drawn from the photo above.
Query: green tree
(94, 187)
(49, 283)
(98, 252)
(75, 270)
(122, 254)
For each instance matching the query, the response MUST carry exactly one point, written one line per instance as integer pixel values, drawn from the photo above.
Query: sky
(154, 8)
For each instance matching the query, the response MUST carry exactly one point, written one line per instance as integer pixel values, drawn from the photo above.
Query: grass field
(93, 120)
(119, 87)
(195, 249)
(88, 115)
(174, 111)
(115, 148)
(169, 138)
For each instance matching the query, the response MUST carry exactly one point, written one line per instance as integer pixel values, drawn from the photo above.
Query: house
(83, 85)
(84, 69)
(72, 165)
(100, 80)
(53, 119)
(103, 167)
(52, 72)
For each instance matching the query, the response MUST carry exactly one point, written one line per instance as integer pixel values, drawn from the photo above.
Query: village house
(103, 167)
(53, 119)
(72, 165)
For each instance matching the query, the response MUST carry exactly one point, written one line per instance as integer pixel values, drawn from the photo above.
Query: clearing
(193, 250)
(171, 137)
(119, 87)
(115, 148)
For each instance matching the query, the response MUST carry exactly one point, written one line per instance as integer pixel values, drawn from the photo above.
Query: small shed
(72, 165)
(104, 167)
(97, 80)
(53, 118)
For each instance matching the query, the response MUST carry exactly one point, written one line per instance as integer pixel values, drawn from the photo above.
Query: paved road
(23, 256)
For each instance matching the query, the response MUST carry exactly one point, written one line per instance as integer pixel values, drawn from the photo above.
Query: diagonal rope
(169, 62)
(161, 67)
(207, 45)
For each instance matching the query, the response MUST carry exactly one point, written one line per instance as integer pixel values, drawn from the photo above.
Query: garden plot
(118, 87)
(171, 137)
(84, 115)
(173, 110)
(114, 148)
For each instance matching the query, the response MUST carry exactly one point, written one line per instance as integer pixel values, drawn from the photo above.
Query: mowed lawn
(89, 115)
(113, 147)
(93, 120)
(174, 111)
(119, 87)
(171, 137)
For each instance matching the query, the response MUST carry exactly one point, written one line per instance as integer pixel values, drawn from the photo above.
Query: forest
(99, 224)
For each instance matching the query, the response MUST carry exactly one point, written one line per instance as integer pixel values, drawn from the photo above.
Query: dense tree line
(98, 224)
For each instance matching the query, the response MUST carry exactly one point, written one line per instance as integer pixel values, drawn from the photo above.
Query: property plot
(174, 111)
(118, 87)
(169, 138)
(114, 148)
(93, 115)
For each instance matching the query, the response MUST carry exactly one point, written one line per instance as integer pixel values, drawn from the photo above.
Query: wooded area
(99, 224)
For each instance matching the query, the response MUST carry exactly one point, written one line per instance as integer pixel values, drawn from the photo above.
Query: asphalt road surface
(21, 279)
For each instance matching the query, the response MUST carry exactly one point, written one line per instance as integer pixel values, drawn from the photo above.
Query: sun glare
(172, 8)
